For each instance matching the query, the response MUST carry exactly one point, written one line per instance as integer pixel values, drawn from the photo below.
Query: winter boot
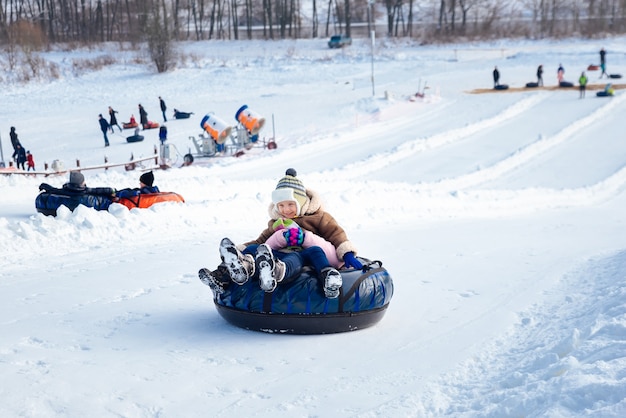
(332, 282)
(217, 280)
(271, 271)
(240, 266)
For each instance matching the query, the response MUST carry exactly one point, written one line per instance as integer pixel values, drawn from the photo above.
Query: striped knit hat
(289, 188)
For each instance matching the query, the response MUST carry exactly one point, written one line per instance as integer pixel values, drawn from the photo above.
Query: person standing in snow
(143, 116)
(30, 161)
(603, 63)
(540, 75)
(113, 119)
(20, 156)
(255, 259)
(14, 140)
(560, 72)
(104, 127)
(582, 85)
(163, 134)
(163, 108)
(496, 77)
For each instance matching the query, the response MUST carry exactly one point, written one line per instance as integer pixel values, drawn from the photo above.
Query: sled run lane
(494, 135)
(559, 161)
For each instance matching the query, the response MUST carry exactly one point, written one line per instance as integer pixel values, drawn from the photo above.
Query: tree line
(93, 21)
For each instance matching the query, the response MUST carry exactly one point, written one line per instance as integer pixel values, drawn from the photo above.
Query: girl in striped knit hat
(290, 201)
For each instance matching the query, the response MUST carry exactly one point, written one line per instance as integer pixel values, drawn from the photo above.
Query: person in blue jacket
(104, 127)
(163, 134)
(20, 156)
(146, 186)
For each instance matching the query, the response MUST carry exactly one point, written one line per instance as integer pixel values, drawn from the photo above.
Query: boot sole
(331, 291)
(207, 278)
(230, 257)
(265, 266)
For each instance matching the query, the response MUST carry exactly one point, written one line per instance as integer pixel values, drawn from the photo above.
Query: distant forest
(93, 21)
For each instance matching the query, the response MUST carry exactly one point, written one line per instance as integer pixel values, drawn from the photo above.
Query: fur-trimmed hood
(314, 219)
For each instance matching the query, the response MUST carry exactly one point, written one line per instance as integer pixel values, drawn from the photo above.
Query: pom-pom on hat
(147, 178)
(289, 188)
(77, 178)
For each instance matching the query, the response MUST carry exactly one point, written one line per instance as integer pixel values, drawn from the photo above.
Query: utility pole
(1, 154)
(370, 3)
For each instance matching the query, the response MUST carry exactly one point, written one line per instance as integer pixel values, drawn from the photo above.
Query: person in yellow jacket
(582, 83)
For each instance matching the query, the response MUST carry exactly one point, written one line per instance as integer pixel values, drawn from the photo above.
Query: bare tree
(314, 20)
(160, 45)
(348, 17)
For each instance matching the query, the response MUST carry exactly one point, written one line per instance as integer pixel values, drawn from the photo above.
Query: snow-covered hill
(500, 217)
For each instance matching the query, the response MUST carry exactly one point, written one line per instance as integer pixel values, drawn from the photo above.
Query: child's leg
(293, 264)
(315, 257)
(330, 278)
(240, 266)
(273, 267)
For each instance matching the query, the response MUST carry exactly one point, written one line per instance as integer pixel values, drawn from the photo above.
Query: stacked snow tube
(300, 307)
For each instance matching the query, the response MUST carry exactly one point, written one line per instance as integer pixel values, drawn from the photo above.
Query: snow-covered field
(500, 217)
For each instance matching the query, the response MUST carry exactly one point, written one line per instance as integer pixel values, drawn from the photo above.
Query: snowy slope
(499, 216)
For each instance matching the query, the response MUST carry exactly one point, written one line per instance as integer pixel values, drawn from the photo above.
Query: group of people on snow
(107, 126)
(299, 234)
(22, 157)
(76, 184)
(582, 80)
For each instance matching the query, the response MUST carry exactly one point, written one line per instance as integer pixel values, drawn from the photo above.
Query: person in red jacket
(30, 161)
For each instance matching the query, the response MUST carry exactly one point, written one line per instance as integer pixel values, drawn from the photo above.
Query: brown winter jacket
(316, 220)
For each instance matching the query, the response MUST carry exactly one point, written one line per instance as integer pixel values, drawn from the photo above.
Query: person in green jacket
(582, 84)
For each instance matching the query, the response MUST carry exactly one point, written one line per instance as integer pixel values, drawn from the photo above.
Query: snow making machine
(220, 139)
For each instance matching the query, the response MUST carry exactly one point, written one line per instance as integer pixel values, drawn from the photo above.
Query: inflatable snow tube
(182, 115)
(615, 75)
(300, 307)
(566, 84)
(48, 202)
(150, 125)
(603, 94)
(532, 84)
(501, 87)
(148, 199)
(593, 67)
(134, 138)
(128, 125)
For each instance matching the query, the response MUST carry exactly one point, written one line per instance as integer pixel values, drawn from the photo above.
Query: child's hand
(351, 262)
(294, 237)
